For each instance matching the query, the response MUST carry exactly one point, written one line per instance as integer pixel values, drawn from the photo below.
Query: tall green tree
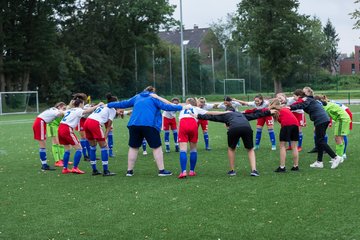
(329, 59)
(273, 30)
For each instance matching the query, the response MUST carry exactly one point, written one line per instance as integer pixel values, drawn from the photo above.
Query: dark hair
(110, 98)
(299, 92)
(227, 98)
(81, 96)
(175, 99)
(77, 102)
(150, 89)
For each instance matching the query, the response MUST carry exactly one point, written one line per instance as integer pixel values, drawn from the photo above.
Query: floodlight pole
(182, 53)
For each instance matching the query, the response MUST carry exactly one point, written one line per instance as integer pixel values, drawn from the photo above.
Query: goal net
(19, 102)
(234, 86)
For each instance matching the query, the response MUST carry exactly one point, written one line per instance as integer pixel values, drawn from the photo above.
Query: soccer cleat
(273, 147)
(86, 159)
(317, 164)
(289, 148)
(335, 162)
(314, 150)
(299, 149)
(164, 173)
(70, 163)
(182, 175)
(280, 170)
(95, 172)
(65, 171)
(343, 157)
(177, 148)
(77, 171)
(192, 174)
(254, 173)
(130, 173)
(208, 149)
(256, 147)
(167, 150)
(145, 153)
(295, 168)
(47, 168)
(59, 163)
(231, 173)
(107, 173)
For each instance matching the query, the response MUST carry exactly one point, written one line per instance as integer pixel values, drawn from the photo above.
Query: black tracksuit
(321, 121)
(238, 125)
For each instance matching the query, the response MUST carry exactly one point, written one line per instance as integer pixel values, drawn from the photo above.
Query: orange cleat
(289, 148)
(70, 163)
(77, 171)
(182, 175)
(192, 174)
(299, 149)
(59, 163)
(65, 171)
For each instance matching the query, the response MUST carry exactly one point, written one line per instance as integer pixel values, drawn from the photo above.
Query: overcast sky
(204, 12)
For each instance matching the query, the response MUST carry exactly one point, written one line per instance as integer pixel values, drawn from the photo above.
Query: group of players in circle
(146, 122)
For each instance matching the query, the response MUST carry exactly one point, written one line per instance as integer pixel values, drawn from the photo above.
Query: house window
(353, 68)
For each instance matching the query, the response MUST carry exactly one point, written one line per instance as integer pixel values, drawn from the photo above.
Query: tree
(329, 59)
(356, 16)
(273, 30)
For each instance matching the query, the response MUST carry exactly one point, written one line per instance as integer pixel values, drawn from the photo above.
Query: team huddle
(94, 123)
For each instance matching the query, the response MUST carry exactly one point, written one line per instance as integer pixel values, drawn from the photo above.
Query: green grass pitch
(310, 204)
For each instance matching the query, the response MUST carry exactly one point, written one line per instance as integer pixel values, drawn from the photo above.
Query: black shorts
(138, 133)
(289, 133)
(246, 135)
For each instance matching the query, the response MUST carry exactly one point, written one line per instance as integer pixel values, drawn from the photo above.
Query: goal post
(19, 102)
(241, 81)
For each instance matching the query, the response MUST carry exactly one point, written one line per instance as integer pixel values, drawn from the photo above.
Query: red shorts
(188, 130)
(66, 135)
(80, 126)
(204, 124)
(39, 128)
(350, 115)
(93, 130)
(269, 120)
(169, 123)
(301, 118)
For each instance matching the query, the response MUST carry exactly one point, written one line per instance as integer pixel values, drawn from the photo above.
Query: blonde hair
(191, 101)
(309, 90)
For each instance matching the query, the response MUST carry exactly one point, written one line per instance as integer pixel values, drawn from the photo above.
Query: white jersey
(264, 104)
(72, 117)
(169, 114)
(103, 114)
(207, 106)
(50, 114)
(234, 104)
(185, 113)
(290, 101)
(87, 106)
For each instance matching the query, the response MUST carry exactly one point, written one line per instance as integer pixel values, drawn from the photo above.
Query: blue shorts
(138, 133)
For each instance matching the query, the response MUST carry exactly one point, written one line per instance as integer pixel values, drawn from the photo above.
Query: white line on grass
(12, 122)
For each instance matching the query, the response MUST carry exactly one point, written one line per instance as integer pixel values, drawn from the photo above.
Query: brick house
(201, 39)
(350, 65)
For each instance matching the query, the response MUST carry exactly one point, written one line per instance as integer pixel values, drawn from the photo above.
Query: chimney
(196, 26)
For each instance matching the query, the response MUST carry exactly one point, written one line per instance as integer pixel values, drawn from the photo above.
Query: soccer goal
(19, 102)
(234, 86)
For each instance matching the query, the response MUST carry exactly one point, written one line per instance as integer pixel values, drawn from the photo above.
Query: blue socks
(206, 140)
(300, 139)
(167, 140)
(110, 143)
(345, 143)
(258, 136)
(77, 158)
(193, 160)
(43, 159)
(272, 137)
(183, 160)
(66, 158)
(83, 143)
(93, 157)
(104, 158)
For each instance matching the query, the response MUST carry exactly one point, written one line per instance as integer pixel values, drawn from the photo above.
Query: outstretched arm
(258, 114)
(154, 95)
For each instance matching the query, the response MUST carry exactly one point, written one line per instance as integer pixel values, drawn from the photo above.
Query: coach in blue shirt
(145, 122)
